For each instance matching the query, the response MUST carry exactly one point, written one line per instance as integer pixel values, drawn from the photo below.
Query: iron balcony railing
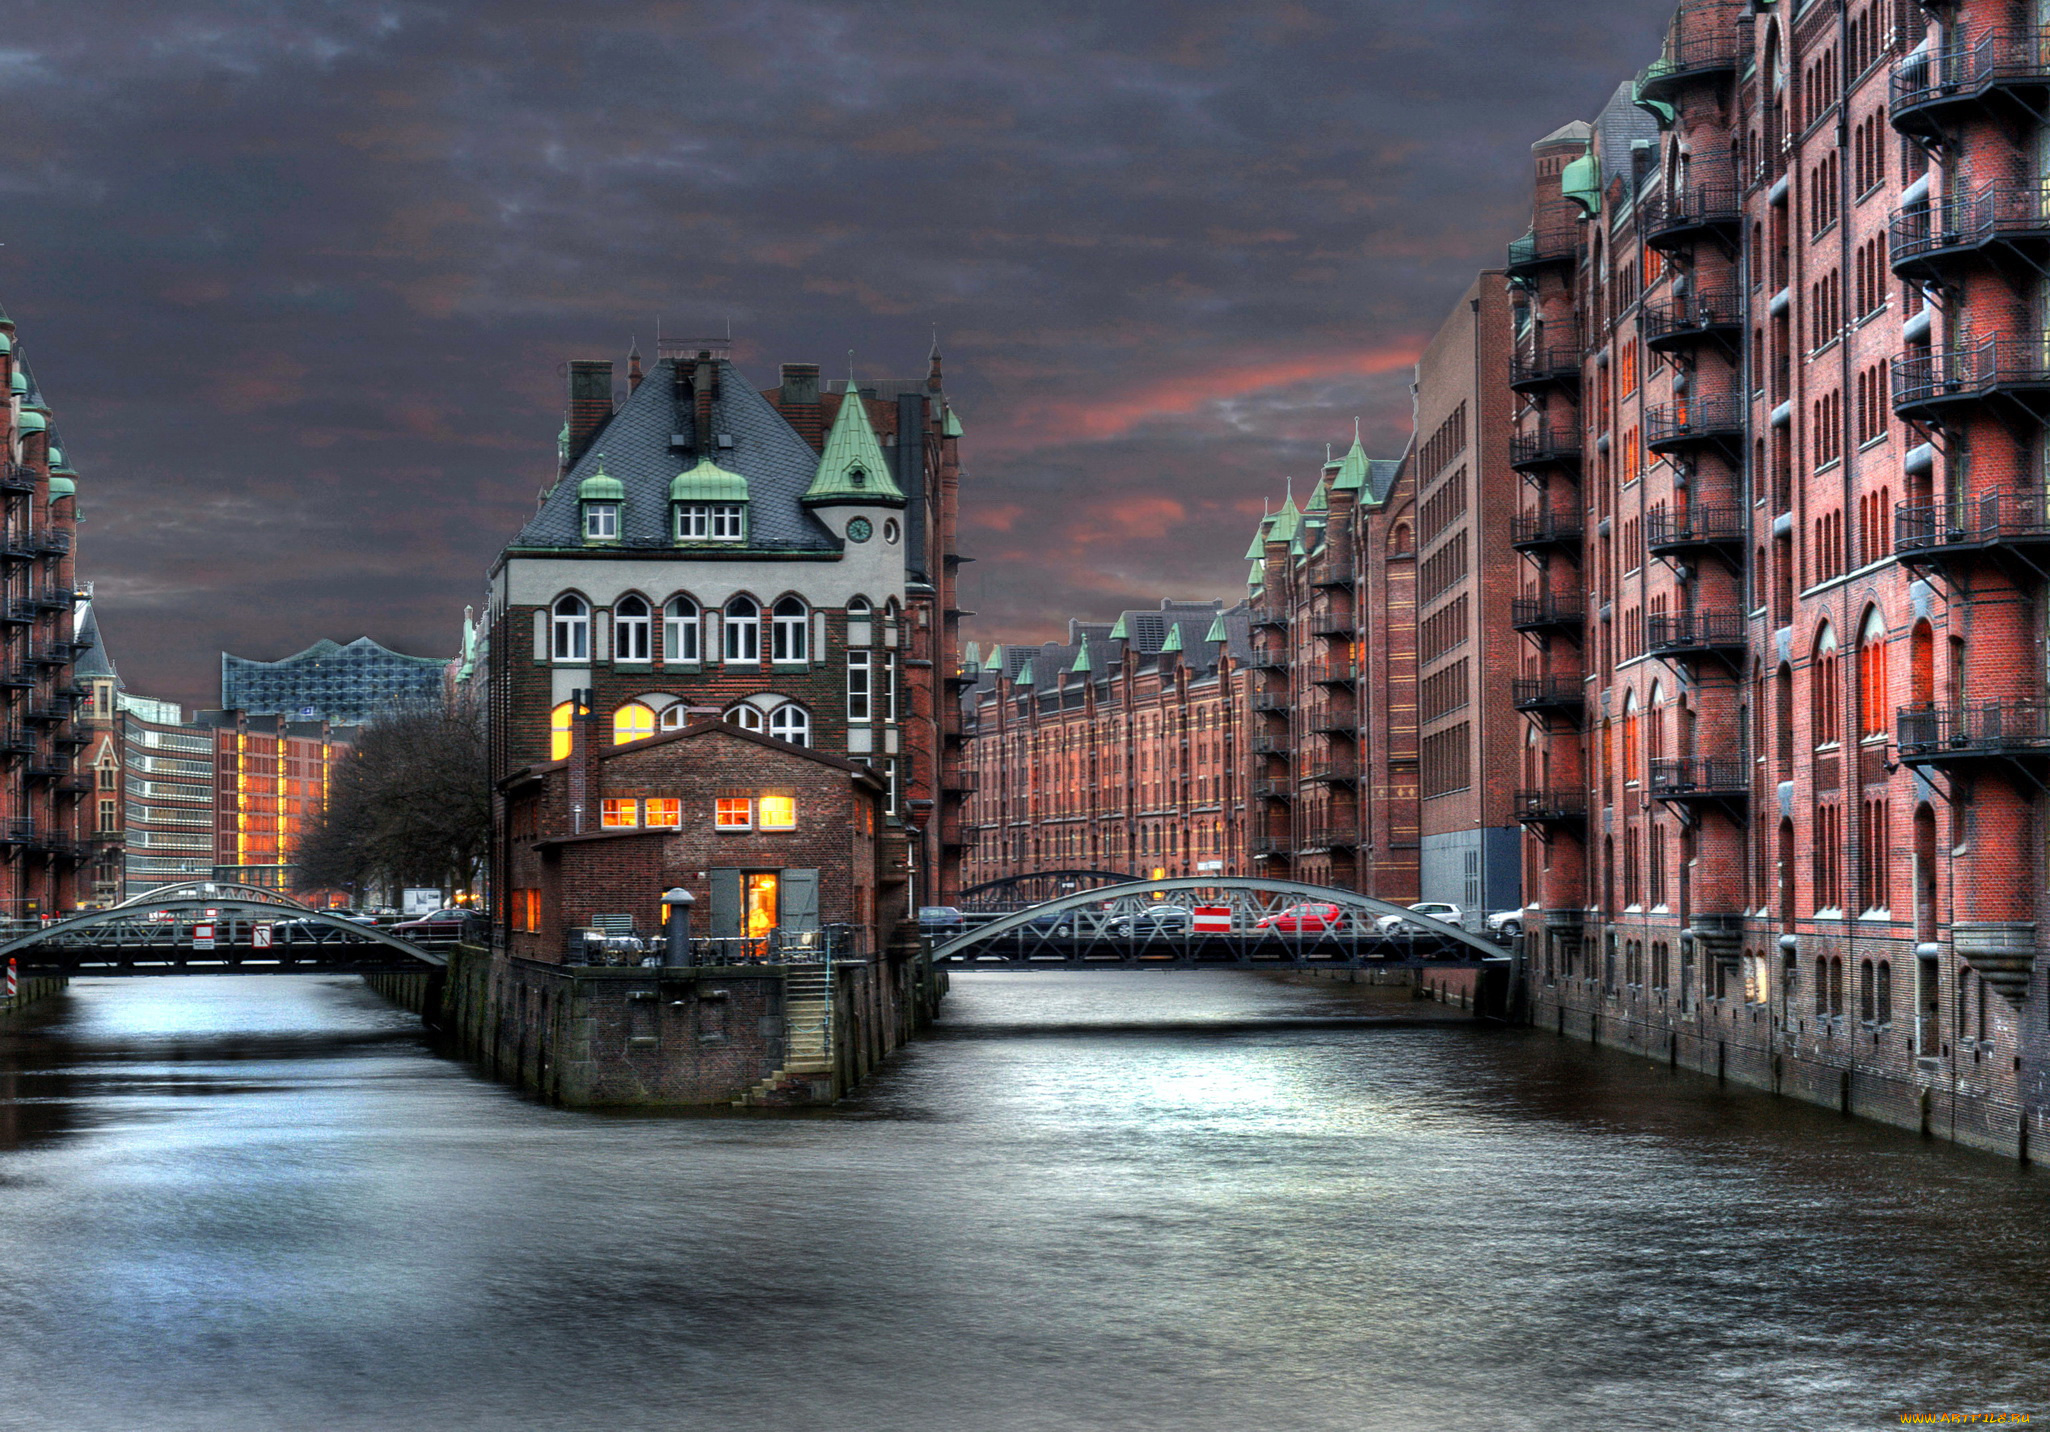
(2001, 209)
(72, 735)
(49, 541)
(1929, 732)
(1334, 624)
(1707, 777)
(1553, 239)
(1693, 314)
(54, 653)
(1332, 769)
(48, 768)
(1334, 671)
(1538, 693)
(1541, 365)
(1269, 743)
(16, 478)
(1553, 609)
(1335, 835)
(1335, 570)
(1697, 525)
(1268, 846)
(1941, 375)
(961, 779)
(1692, 208)
(1271, 701)
(54, 599)
(1967, 67)
(1546, 528)
(1332, 722)
(1545, 447)
(1269, 789)
(1269, 616)
(17, 741)
(2003, 517)
(1711, 630)
(1689, 420)
(778, 946)
(1549, 806)
(1706, 38)
(1267, 661)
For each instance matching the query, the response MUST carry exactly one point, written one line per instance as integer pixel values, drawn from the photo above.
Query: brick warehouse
(1116, 750)
(1780, 346)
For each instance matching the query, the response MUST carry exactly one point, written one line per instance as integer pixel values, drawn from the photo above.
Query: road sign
(1212, 919)
(202, 937)
(420, 900)
(260, 937)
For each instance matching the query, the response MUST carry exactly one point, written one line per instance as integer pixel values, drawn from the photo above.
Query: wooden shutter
(799, 891)
(726, 904)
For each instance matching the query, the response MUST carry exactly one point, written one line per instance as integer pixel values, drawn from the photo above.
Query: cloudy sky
(298, 277)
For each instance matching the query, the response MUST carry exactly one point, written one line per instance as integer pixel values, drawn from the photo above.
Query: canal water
(1092, 1201)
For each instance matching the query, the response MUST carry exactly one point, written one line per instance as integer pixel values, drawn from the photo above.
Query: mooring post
(676, 915)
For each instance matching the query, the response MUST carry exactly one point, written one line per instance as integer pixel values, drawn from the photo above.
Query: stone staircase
(808, 1037)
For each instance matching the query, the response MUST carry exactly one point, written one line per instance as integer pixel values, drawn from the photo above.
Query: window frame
(740, 642)
(569, 621)
(680, 630)
(601, 515)
(735, 813)
(790, 632)
(632, 629)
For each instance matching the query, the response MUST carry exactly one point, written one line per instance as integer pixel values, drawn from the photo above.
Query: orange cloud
(1129, 519)
(1001, 518)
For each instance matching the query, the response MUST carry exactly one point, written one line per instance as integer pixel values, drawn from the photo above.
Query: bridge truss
(1211, 922)
(213, 928)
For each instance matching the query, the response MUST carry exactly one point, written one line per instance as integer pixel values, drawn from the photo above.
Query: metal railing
(1545, 527)
(2016, 515)
(1332, 769)
(1267, 661)
(1550, 805)
(1335, 722)
(1697, 525)
(1929, 731)
(1550, 363)
(1528, 693)
(1718, 777)
(1546, 445)
(1967, 372)
(1268, 789)
(1265, 743)
(49, 541)
(16, 478)
(1334, 671)
(1264, 615)
(1693, 313)
(1971, 64)
(1693, 418)
(1334, 835)
(778, 946)
(2003, 207)
(1554, 238)
(1554, 609)
(1693, 631)
(1705, 38)
(1271, 701)
(1335, 570)
(1695, 206)
(1263, 845)
(1334, 624)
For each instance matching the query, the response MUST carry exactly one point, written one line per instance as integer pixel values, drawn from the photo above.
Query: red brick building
(1119, 750)
(1780, 332)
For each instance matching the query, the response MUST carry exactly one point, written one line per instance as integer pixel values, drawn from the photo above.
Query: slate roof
(93, 660)
(636, 448)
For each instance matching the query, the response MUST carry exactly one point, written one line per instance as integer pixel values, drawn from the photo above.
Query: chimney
(590, 401)
(633, 370)
(704, 388)
(798, 401)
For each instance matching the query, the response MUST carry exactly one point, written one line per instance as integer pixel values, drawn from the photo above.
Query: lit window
(663, 811)
(778, 812)
(734, 813)
(632, 722)
(601, 519)
(743, 630)
(572, 629)
(558, 730)
(788, 631)
(631, 621)
(680, 630)
(617, 811)
(791, 723)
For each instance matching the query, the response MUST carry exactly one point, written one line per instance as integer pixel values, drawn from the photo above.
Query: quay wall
(28, 993)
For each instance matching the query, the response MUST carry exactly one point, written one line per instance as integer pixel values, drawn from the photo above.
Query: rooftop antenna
(850, 371)
(1290, 488)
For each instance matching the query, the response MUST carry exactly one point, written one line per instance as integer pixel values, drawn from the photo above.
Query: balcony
(1541, 367)
(1334, 671)
(1934, 385)
(2011, 521)
(48, 712)
(1267, 661)
(1334, 571)
(2002, 219)
(1930, 735)
(53, 599)
(1689, 423)
(49, 542)
(75, 785)
(18, 832)
(1695, 635)
(1723, 779)
(1335, 723)
(1552, 243)
(1332, 768)
(1269, 789)
(1335, 835)
(17, 741)
(1997, 70)
(72, 736)
(48, 768)
(1551, 808)
(1682, 322)
(1705, 43)
(961, 780)
(1563, 612)
(1271, 701)
(19, 678)
(55, 653)
(1546, 447)
(1701, 527)
(1693, 212)
(1546, 530)
(1566, 695)
(1271, 847)
(1269, 743)
(16, 478)
(1266, 616)
(1334, 624)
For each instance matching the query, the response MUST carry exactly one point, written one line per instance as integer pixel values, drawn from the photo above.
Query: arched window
(792, 723)
(572, 628)
(632, 722)
(789, 626)
(890, 531)
(858, 608)
(1655, 725)
(1825, 692)
(631, 624)
(680, 630)
(746, 716)
(675, 718)
(558, 730)
(743, 631)
(1922, 665)
(1873, 712)
(1630, 738)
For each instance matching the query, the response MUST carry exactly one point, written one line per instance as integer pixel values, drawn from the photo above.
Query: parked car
(1312, 917)
(1505, 925)
(1438, 910)
(443, 927)
(304, 931)
(941, 920)
(1053, 922)
(1154, 920)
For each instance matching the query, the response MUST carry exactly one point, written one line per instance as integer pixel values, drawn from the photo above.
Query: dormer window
(600, 496)
(601, 521)
(711, 521)
(857, 477)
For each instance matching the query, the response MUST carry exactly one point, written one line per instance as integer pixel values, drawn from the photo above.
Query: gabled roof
(852, 468)
(777, 464)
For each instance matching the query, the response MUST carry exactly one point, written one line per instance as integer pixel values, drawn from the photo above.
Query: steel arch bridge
(247, 931)
(1212, 922)
(1042, 885)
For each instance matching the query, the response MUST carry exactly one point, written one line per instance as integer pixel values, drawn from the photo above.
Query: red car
(1311, 918)
(442, 927)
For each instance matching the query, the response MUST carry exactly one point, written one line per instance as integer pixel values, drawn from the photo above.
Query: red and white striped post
(13, 984)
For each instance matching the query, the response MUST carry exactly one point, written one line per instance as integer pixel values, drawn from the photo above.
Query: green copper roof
(6, 344)
(1174, 638)
(950, 427)
(707, 482)
(1216, 632)
(1118, 632)
(18, 383)
(1319, 500)
(996, 659)
(1259, 547)
(1024, 676)
(852, 468)
(601, 486)
(1259, 577)
(1082, 660)
(1285, 523)
(1352, 468)
(1657, 109)
(62, 487)
(33, 421)
(1581, 181)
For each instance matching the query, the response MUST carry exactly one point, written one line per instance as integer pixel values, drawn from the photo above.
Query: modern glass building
(342, 684)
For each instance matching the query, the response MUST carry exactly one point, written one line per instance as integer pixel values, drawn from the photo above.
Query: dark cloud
(298, 277)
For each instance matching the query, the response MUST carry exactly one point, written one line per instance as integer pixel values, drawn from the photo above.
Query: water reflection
(1186, 1201)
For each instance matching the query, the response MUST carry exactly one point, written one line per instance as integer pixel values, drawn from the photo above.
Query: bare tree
(409, 805)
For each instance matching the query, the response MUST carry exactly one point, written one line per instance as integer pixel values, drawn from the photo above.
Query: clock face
(859, 530)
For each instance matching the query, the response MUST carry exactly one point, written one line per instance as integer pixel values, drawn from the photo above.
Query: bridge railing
(825, 945)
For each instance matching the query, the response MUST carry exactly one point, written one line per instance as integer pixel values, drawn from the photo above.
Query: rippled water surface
(1180, 1201)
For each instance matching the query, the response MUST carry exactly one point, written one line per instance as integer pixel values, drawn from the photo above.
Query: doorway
(760, 908)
